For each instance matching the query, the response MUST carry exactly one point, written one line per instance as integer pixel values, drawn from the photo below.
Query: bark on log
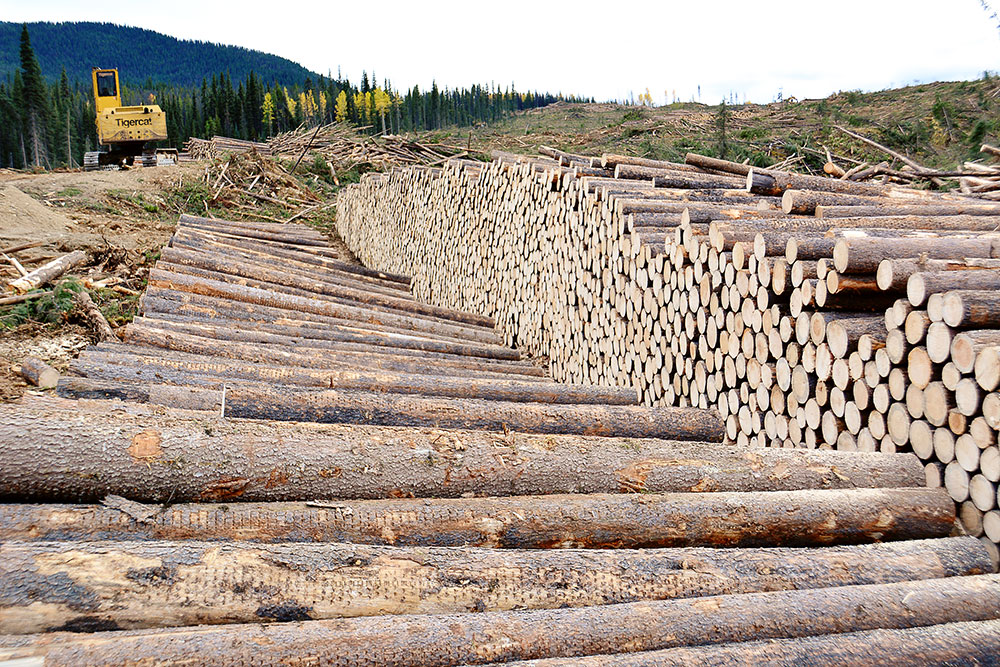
(893, 274)
(354, 407)
(272, 276)
(194, 242)
(432, 640)
(165, 311)
(162, 302)
(215, 288)
(894, 208)
(160, 584)
(863, 255)
(39, 373)
(338, 355)
(804, 202)
(672, 178)
(62, 451)
(48, 272)
(974, 304)
(974, 643)
(210, 373)
(753, 519)
(186, 237)
(921, 285)
(295, 335)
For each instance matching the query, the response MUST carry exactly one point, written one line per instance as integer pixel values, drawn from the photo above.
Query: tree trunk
(133, 585)
(305, 286)
(210, 373)
(291, 302)
(974, 643)
(440, 640)
(355, 407)
(48, 272)
(39, 373)
(64, 451)
(753, 519)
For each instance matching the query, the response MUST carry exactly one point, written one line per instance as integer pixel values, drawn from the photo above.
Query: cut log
(356, 407)
(39, 373)
(433, 640)
(210, 373)
(921, 285)
(157, 584)
(752, 519)
(976, 642)
(49, 272)
(863, 255)
(973, 305)
(72, 452)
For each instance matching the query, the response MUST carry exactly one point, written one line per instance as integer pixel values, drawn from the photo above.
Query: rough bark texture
(210, 373)
(757, 519)
(49, 271)
(59, 450)
(39, 373)
(354, 407)
(291, 302)
(972, 643)
(457, 639)
(164, 584)
(325, 355)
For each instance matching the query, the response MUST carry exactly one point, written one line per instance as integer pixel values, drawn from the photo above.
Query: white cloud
(805, 48)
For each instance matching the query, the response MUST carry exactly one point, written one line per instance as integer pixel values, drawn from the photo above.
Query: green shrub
(49, 309)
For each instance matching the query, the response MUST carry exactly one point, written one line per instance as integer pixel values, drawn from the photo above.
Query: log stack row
(509, 518)
(706, 284)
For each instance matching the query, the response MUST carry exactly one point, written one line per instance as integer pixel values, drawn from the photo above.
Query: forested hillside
(141, 55)
(52, 124)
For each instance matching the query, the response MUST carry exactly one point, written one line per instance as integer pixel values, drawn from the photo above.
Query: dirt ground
(121, 218)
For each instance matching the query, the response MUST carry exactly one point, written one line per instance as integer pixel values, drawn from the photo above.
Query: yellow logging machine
(124, 132)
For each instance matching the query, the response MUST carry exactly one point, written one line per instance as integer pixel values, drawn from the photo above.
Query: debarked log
(58, 450)
(457, 639)
(157, 584)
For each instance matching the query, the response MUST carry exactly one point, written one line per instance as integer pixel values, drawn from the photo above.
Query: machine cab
(107, 95)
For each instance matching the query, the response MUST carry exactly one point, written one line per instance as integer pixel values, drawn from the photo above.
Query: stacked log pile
(460, 507)
(342, 146)
(716, 284)
(345, 147)
(209, 149)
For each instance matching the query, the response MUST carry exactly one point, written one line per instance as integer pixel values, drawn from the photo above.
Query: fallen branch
(85, 307)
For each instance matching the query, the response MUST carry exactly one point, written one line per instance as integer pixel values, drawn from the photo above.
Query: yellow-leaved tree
(382, 104)
(268, 108)
(340, 107)
(292, 104)
(359, 104)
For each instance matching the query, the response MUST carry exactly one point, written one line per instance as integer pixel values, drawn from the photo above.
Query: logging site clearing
(593, 385)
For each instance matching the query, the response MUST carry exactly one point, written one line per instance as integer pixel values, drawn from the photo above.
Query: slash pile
(459, 507)
(765, 294)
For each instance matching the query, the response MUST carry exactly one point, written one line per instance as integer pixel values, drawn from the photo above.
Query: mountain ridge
(140, 54)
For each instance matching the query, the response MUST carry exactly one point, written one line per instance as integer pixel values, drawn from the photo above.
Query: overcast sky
(607, 50)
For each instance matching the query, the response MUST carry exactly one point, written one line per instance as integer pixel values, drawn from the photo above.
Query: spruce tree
(35, 106)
